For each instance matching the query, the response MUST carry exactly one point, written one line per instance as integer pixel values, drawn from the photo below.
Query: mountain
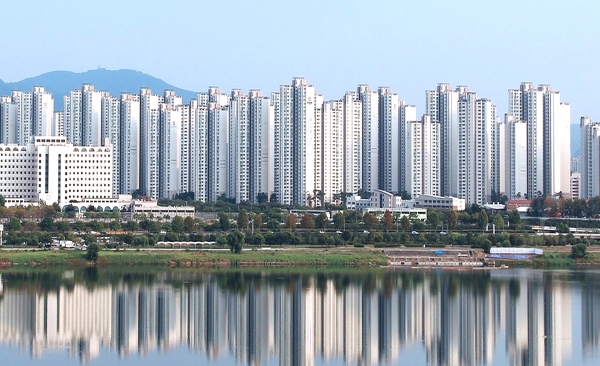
(60, 83)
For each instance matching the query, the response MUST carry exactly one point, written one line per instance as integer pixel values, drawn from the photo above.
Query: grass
(293, 257)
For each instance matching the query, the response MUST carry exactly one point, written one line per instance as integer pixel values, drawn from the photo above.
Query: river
(299, 317)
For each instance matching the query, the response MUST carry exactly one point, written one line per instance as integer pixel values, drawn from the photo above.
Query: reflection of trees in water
(514, 289)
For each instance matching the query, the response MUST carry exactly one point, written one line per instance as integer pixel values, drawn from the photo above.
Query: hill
(60, 83)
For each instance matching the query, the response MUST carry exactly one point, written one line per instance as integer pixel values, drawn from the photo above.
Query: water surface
(354, 317)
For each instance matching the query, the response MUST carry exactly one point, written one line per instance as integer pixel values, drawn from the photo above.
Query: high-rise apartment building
(91, 115)
(43, 112)
(149, 142)
(515, 157)
(129, 145)
(169, 166)
(421, 157)
(353, 144)
(589, 164)
(111, 131)
(389, 141)
(548, 152)
(72, 117)
(370, 137)
(406, 114)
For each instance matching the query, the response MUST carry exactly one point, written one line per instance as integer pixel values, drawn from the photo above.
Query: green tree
(242, 221)
(235, 240)
(405, 223)
(433, 218)
(514, 219)
(452, 220)
(291, 221)
(482, 219)
(62, 226)
(321, 221)
(307, 222)
(177, 224)
(13, 225)
(258, 221)
(370, 220)
(338, 220)
(92, 252)
(579, 251)
(224, 221)
(498, 221)
(115, 225)
(387, 220)
(140, 241)
(2, 201)
(89, 239)
(189, 224)
(47, 224)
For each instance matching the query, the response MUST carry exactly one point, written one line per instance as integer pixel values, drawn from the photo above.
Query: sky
(410, 46)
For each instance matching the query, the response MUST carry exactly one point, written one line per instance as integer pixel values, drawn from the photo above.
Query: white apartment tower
(590, 159)
(442, 106)
(91, 115)
(170, 150)
(198, 159)
(370, 137)
(149, 142)
(43, 112)
(23, 109)
(261, 145)
(111, 131)
(129, 159)
(353, 135)
(217, 150)
(58, 124)
(389, 141)
(515, 157)
(332, 159)
(557, 147)
(294, 151)
(239, 147)
(547, 121)
(8, 121)
(421, 157)
(406, 113)
(72, 117)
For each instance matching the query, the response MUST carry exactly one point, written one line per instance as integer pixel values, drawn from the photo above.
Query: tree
(433, 218)
(140, 241)
(578, 251)
(92, 252)
(338, 220)
(13, 225)
(177, 224)
(262, 198)
(307, 222)
(115, 225)
(321, 220)
(189, 224)
(235, 240)
(2, 201)
(273, 198)
(258, 221)
(291, 221)
(514, 218)
(89, 239)
(224, 221)
(62, 226)
(405, 223)
(242, 221)
(483, 219)
(387, 220)
(370, 220)
(47, 224)
(498, 221)
(452, 220)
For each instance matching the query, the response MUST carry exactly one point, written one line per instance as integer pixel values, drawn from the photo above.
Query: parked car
(415, 232)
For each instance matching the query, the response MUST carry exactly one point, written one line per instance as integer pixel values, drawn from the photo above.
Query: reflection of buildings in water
(590, 318)
(456, 320)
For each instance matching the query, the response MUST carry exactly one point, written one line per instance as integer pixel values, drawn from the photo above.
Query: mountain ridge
(60, 83)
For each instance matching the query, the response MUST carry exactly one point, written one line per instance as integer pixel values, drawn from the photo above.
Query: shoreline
(279, 258)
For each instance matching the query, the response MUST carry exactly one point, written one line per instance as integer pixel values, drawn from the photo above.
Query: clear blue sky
(410, 46)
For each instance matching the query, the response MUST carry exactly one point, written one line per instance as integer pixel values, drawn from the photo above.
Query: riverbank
(340, 257)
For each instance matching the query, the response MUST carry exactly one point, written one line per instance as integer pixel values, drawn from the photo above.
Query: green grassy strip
(193, 258)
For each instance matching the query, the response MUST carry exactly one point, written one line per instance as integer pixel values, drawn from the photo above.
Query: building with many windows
(51, 170)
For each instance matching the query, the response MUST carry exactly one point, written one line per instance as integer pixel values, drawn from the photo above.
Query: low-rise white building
(379, 199)
(51, 170)
(151, 209)
(440, 203)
